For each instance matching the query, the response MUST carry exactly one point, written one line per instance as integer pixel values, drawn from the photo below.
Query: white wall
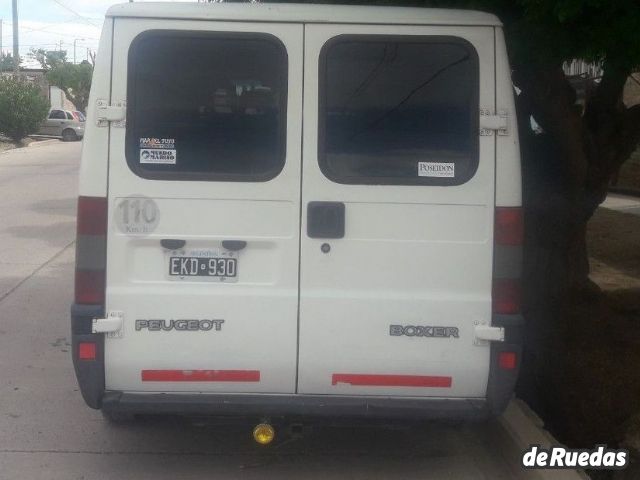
(58, 99)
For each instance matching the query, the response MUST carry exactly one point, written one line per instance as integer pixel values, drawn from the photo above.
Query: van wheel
(69, 135)
(118, 418)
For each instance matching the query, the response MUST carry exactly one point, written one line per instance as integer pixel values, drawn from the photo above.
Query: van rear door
(397, 203)
(204, 187)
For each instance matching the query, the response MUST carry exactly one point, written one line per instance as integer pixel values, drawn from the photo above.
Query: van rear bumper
(295, 406)
(91, 379)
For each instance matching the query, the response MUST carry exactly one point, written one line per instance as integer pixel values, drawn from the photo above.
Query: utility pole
(0, 39)
(16, 39)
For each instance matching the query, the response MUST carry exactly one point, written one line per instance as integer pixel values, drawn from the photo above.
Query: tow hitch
(264, 433)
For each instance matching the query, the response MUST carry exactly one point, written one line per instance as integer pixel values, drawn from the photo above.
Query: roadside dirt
(599, 370)
(629, 175)
(582, 372)
(613, 241)
(6, 144)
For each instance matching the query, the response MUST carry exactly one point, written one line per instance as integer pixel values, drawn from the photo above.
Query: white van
(299, 210)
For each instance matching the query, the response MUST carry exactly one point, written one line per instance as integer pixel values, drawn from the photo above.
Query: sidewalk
(622, 203)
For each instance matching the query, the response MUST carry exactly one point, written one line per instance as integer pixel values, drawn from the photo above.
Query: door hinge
(112, 325)
(494, 122)
(115, 113)
(484, 333)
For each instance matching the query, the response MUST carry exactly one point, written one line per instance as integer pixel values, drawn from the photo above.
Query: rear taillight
(508, 238)
(507, 360)
(89, 287)
(509, 224)
(86, 351)
(91, 243)
(507, 295)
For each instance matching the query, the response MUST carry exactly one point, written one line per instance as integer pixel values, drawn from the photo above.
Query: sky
(54, 25)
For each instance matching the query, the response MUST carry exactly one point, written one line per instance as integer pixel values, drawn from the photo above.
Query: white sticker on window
(158, 155)
(433, 169)
(151, 142)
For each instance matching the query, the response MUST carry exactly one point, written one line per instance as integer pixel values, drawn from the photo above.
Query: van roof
(303, 13)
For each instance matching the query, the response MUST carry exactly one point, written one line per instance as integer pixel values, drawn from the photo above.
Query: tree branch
(608, 95)
(552, 101)
(602, 115)
(629, 135)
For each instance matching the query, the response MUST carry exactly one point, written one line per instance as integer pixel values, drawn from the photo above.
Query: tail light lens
(507, 360)
(89, 287)
(91, 250)
(92, 216)
(509, 226)
(507, 296)
(508, 237)
(87, 351)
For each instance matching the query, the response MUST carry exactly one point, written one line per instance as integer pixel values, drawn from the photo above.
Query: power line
(46, 27)
(22, 45)
(54, 33)
(70, 35)
(75, 13)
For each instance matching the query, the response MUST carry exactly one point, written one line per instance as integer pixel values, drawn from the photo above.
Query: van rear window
(398, 110)
(206, 106)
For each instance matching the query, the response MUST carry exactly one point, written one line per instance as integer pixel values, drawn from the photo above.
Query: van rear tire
(118, 418)
(69, 135)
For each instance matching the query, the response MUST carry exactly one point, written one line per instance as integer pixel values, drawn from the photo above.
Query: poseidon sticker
(440, 170)
(158, 150)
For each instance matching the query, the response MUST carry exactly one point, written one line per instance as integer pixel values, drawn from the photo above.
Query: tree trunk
(568, 168)
(566, 173)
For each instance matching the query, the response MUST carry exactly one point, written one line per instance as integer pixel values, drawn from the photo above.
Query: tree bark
(568, 168)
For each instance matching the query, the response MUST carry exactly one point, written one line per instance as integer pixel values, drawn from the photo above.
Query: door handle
(234, 245)
(325, 219)
(172, 243)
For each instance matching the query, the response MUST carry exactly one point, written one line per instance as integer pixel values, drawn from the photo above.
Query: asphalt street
(47, 432)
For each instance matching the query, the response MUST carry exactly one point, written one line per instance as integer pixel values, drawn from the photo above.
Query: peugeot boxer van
(299, 210)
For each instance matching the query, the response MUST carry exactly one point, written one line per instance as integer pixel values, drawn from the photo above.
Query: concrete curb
(524, 428)
(31, 145)
(633, 192)
(43, 142)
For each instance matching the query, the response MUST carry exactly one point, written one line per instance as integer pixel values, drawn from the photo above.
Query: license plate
(204, 265)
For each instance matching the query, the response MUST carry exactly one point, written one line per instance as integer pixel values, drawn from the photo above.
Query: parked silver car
(63, 123)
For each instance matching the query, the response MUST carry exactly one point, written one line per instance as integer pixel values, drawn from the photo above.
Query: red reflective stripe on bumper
(391, 380)
(200, 375)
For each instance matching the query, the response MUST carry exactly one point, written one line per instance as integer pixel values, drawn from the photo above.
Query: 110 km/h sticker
(137, 215)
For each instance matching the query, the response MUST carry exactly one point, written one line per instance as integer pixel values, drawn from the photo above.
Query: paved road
(46, 431)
